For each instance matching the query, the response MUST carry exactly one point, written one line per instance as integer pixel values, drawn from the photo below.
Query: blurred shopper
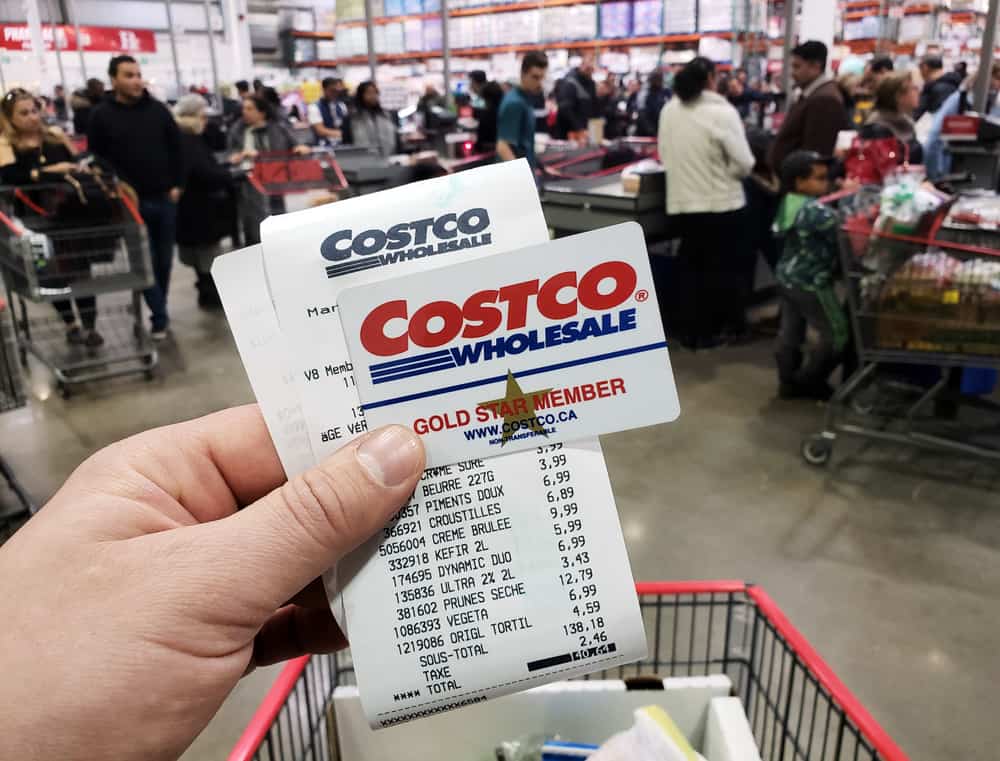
(876, 70)
(258, 87)
(937, 160)
(370, 126)
(31, 153)
(576, 96)
(896, 100)
(813, 121)
(705, 153)
(490, 94)
(83, 101)
(231, 107)
(242, 89)
(328, 114)
(138, 136)
(611, 107)
(516, 120)
(259, 131)
(762, 189)
(59, 108)
(806, 278)
(649, 103)
(273, 100)
(938, 85)
(201, 222)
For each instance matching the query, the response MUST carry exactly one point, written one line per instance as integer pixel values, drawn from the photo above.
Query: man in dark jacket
(138, 136)
(813, 121)
(490, 93)
(576, 97)
(937, 85)
(651, 100)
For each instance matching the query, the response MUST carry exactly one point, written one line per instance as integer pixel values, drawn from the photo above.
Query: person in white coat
(704, 150)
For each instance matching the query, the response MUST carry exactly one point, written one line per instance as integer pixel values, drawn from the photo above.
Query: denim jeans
(160, 215)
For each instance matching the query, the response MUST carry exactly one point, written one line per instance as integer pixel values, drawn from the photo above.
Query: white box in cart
(586, 711)
(728, 736)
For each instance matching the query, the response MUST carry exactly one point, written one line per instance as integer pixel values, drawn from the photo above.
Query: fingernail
(391, 455)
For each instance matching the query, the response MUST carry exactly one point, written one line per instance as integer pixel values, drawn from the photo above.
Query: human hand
(301, 150)
(174, 195)
(138, 596)
(60, 167)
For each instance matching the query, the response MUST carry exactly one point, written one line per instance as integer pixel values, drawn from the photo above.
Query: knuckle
(321, 505)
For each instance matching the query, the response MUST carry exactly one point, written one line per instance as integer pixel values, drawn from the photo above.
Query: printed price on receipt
(548, 343)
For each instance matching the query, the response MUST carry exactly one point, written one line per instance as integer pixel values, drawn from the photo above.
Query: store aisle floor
(888, 561)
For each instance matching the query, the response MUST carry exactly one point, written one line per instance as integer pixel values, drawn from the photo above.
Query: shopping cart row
(922, 279)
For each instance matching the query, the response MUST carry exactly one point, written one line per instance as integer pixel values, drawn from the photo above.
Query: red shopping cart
(797, 708)
(277, 173)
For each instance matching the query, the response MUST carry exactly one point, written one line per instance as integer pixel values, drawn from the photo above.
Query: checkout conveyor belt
(577, 205)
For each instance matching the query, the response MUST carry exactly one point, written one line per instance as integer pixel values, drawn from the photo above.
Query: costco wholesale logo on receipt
(548, 343)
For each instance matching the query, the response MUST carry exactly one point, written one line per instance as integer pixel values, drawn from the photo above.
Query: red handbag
(870, 161)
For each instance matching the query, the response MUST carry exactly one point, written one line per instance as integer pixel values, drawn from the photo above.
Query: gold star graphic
(516, 406)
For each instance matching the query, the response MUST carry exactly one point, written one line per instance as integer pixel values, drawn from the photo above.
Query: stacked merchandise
(718, 15)
(432, 34)
(867, 28)
(517, 28)
(350, 9)
(616, 19)
(380, 39)
(470, 31)
(916, 27)
(413, 35)
(432, 6)
(393, 7)
(395, 40)
(351, 41)
(647, 17)
(680, 16)
(573, 22)
(413, 7)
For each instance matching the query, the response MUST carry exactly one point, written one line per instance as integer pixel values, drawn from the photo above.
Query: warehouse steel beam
(370, 36)
(173, 48)
(982, 90)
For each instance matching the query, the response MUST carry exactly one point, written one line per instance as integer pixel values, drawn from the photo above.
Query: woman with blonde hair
(32, 153)
(896, 98)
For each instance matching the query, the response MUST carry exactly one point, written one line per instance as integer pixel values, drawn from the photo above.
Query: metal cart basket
(51, 253)
(12, 396)
(924, 303)
(798, 709)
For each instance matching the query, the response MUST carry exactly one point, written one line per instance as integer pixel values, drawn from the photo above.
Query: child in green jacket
(806, 273)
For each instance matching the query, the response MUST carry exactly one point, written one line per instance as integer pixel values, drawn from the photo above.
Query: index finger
(211, 465)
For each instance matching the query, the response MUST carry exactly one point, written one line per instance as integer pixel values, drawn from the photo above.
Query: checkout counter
(585, 203)
(974, 144)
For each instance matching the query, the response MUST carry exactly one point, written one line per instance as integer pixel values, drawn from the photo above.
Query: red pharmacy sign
(97, 39)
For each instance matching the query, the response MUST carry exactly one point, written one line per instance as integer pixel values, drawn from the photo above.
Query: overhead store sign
(95, 39)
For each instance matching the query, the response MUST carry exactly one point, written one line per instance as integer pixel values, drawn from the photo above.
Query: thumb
(288, 538)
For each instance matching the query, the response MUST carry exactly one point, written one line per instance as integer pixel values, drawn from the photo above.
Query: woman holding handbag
(32, 153)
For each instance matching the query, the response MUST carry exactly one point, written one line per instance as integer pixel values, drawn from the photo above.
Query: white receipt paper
(548, 343)
(498, 574)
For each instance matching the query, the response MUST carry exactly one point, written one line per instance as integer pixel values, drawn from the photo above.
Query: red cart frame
(797, 707)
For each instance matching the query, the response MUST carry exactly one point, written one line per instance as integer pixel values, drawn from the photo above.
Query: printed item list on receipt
(499, 573)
